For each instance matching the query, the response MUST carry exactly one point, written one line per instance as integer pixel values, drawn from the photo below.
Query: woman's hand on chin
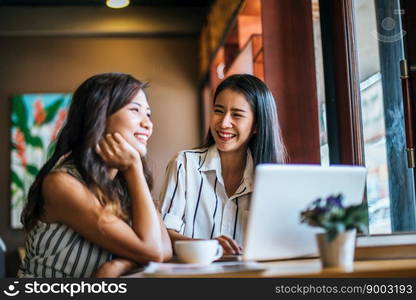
(117, 153)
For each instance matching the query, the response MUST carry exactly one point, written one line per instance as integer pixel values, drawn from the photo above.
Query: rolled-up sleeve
(173, 195)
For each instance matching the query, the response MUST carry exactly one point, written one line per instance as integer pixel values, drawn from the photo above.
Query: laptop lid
(280, 193)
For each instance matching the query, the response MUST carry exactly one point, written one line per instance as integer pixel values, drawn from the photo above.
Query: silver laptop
(280, 193)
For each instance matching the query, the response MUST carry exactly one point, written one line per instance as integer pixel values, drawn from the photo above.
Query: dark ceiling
(194, 3)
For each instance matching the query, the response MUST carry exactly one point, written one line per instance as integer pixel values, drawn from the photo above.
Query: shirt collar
(247, 184)
(212, 162)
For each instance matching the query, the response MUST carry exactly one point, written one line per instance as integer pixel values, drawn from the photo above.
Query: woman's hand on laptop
(229, 246)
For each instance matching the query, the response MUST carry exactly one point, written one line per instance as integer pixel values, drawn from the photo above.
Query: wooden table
(311, 268)
(368, 268)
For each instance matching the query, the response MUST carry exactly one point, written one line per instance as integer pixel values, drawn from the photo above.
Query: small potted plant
(337, 244)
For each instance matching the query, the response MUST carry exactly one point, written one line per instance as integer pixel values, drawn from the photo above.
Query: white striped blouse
(194, 200)
(55, 250)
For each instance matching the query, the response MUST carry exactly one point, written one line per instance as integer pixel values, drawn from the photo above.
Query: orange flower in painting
(20, 147)
(58, 123)
(40, 113)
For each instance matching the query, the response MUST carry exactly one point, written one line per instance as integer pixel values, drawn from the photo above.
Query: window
(366, 46)
(320, 86)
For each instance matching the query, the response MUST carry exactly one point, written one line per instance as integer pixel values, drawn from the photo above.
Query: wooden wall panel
(289, 71)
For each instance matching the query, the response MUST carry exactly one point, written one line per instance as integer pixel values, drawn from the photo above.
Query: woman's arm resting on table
(166, 243)
(115, 268)
(70, 202)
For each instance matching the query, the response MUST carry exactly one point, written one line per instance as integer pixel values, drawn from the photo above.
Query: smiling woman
(232, 121)
(207, 190)
(133, 122)
(96, 174)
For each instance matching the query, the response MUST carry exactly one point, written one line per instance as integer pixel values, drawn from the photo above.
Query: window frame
(342, 89)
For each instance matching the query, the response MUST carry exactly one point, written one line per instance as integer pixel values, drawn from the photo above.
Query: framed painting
(35, 123)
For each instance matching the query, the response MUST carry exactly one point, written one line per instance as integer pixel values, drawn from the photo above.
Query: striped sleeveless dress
(55, 250)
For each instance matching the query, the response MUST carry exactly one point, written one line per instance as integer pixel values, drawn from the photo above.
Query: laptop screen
(280, 193)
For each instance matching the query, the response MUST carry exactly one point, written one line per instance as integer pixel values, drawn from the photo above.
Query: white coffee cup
(201, 252)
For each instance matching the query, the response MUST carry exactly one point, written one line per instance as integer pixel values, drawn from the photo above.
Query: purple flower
(332, 201)
(330, 214)
(320, 210)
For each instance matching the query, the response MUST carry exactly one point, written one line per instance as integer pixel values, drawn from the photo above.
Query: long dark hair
(92, 103)
(266, 144)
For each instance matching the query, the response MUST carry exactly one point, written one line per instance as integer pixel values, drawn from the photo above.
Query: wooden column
(406, 218)
(289, 71)
(342, 85)
(409, 27)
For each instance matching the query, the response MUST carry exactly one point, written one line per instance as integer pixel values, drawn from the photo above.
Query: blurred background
(333, 67)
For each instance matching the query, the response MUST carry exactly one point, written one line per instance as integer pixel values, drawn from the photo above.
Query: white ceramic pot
(340, 252)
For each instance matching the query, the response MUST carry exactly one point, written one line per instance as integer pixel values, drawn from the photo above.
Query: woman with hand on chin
(207, 190)
(90, 211)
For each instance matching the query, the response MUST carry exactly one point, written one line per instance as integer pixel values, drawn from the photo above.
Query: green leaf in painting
(33, 170)
(26, 132)
(51, 149)
(52, 109)
(18, 201)
(14, 123)
(17, 181)
(20, 110)
(35, 141)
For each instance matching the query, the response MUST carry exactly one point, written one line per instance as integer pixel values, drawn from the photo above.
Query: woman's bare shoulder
(63, 193)
(61, 182)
